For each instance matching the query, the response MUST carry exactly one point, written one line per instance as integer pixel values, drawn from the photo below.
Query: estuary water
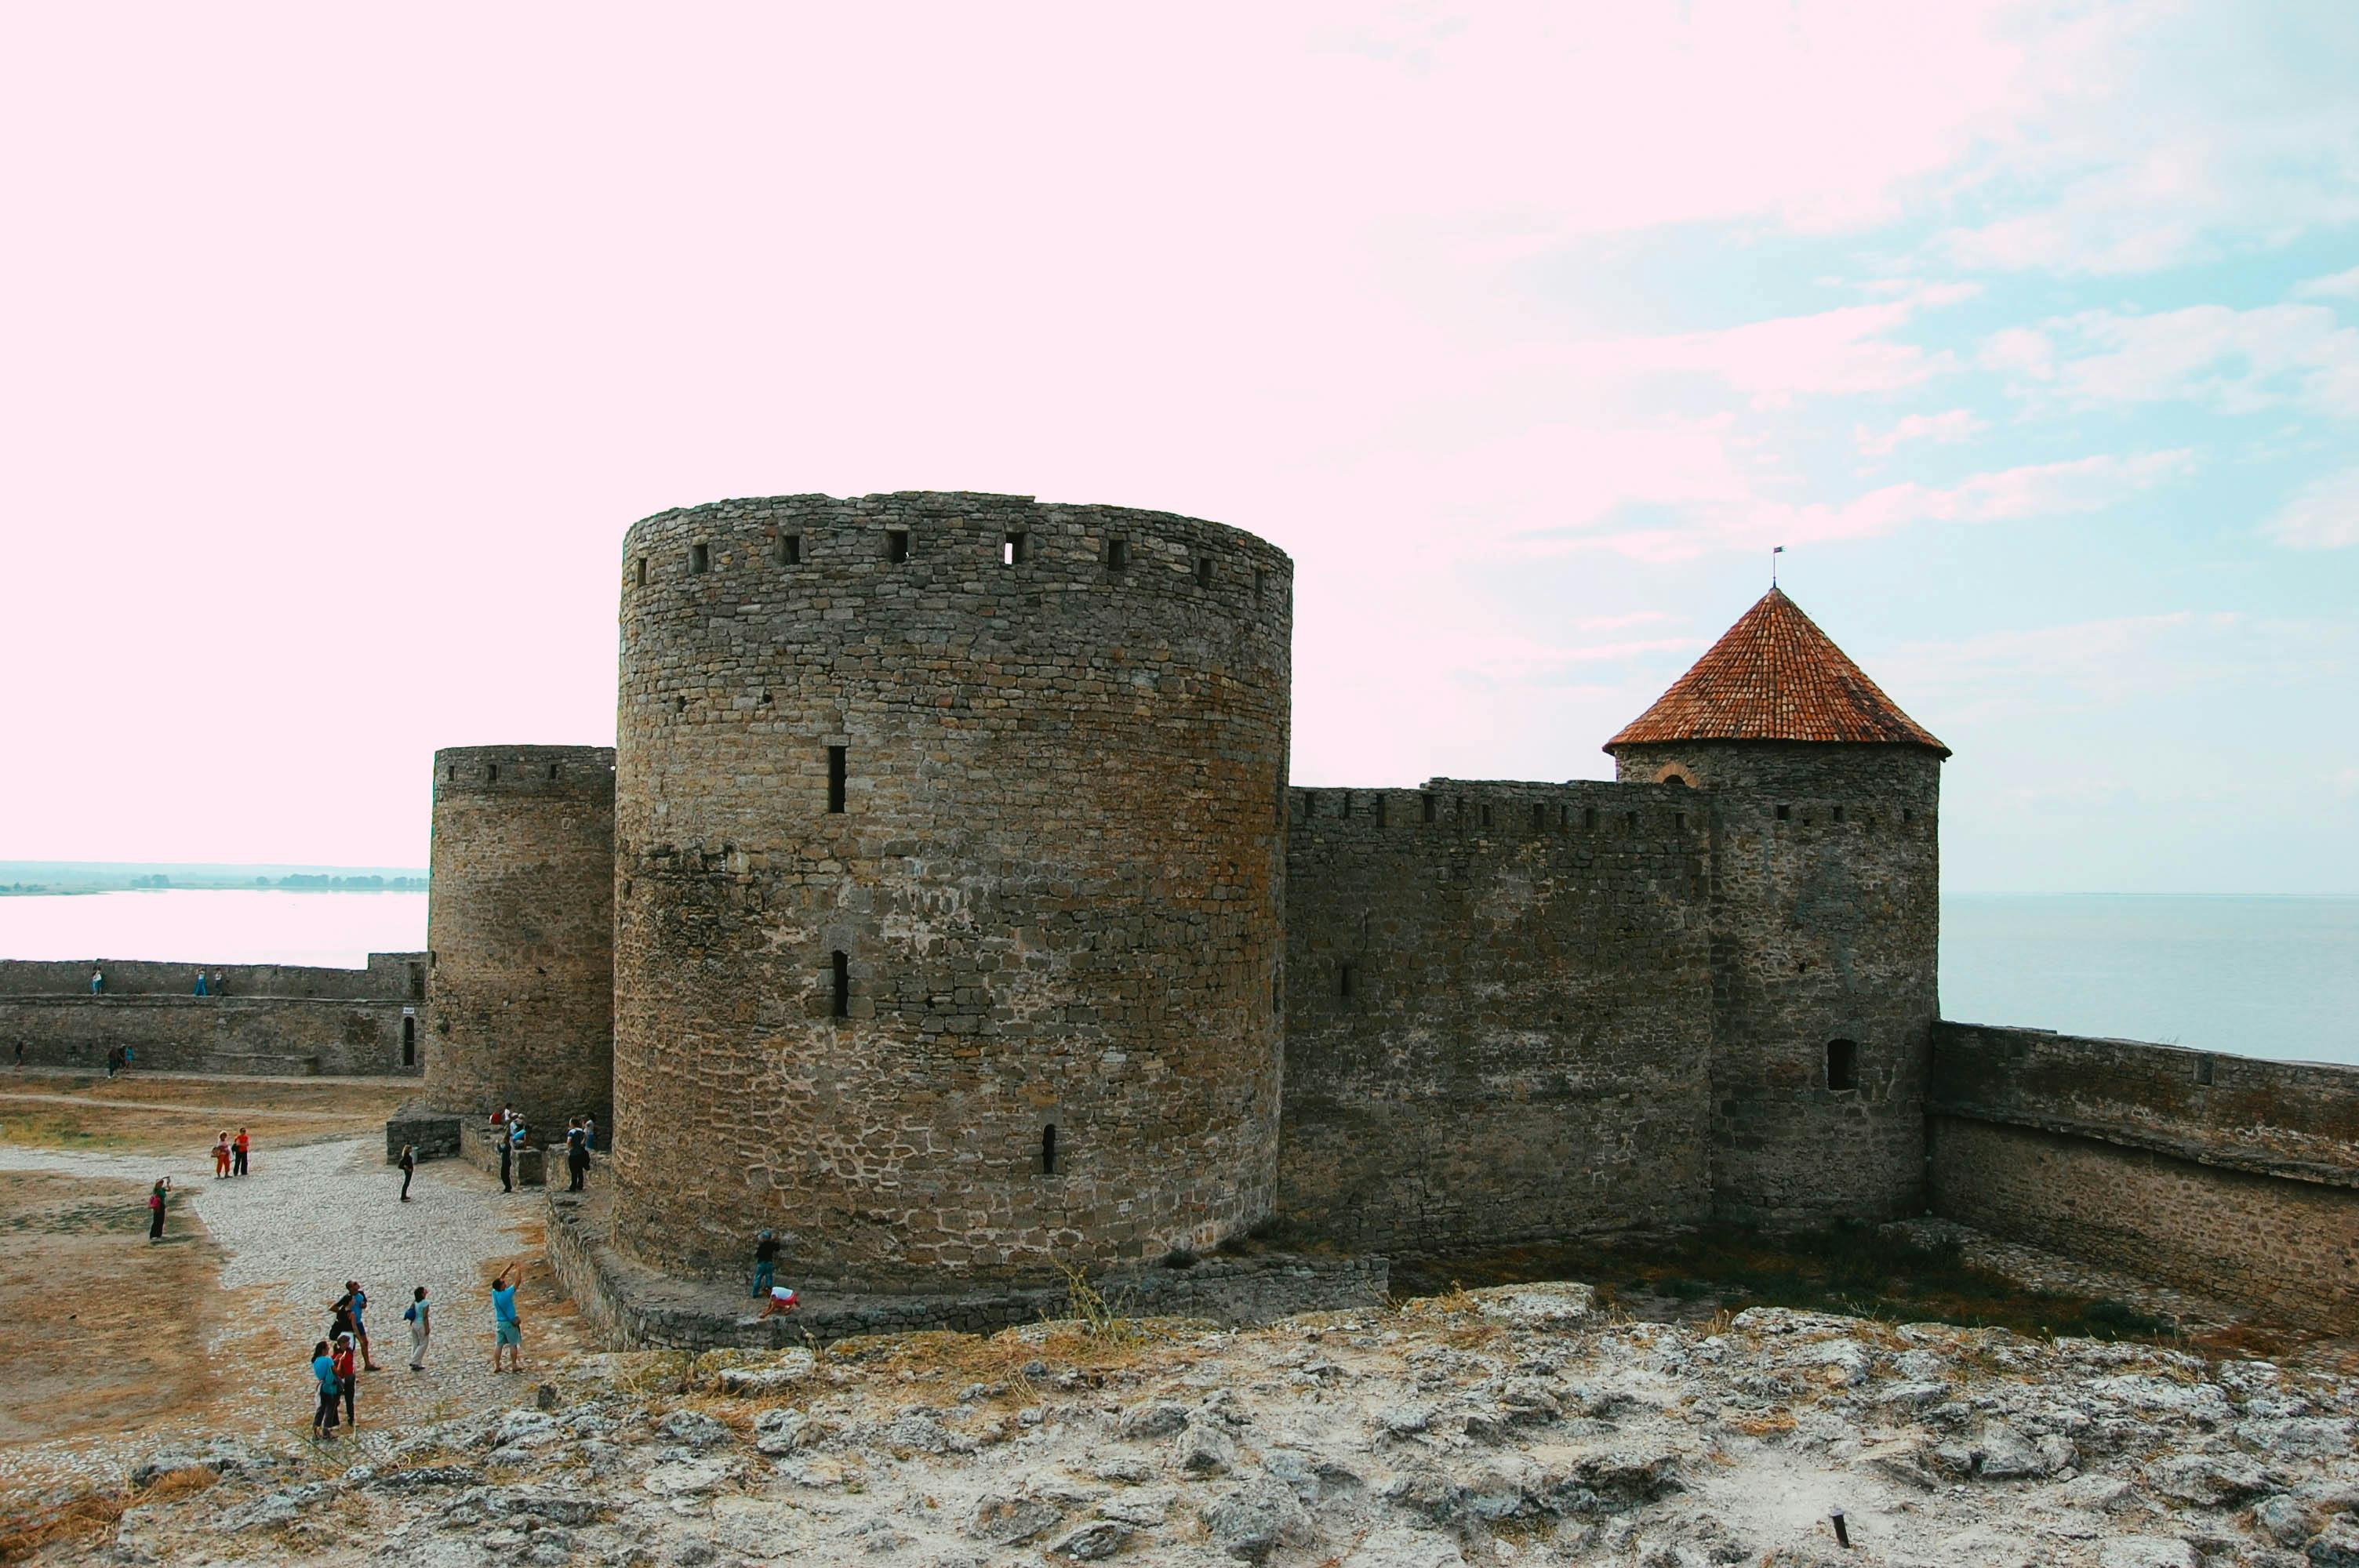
(2254, 976)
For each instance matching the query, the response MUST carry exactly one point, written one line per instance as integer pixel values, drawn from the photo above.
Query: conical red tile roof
(1775, 676)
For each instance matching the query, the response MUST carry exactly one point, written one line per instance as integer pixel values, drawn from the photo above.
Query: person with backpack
(323, 1377)
(420, 1328)
(577, 1154)
(156, 1201)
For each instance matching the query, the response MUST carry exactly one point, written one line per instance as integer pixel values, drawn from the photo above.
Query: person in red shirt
(237, 1153)
(347, 1378)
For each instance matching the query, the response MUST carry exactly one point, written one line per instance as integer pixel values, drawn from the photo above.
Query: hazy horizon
(2032, 330)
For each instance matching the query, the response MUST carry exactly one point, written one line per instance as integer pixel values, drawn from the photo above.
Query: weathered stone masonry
(949, 832)
(277, 1020)
(520, 980)
(1498, 1021)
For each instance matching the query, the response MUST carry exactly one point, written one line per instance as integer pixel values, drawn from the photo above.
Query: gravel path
(309, 1218)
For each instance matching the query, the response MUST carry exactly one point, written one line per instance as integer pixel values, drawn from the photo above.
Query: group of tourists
(229, 1154)
(580, 1138)
(338, 1360)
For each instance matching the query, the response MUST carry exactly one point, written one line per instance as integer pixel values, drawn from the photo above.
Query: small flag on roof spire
(1775, 551)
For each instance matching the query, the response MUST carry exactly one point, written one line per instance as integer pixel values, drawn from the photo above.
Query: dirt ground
(96, 1339)
(171, 1114)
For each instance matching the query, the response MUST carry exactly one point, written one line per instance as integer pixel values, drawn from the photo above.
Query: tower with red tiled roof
(1824, 806)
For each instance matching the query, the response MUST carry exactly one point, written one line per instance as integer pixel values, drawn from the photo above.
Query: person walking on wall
(508, 1160)
(507, 1331)
(577, 1154)
(409, 1168)
(323, 1379)
(420, 1328)
(348, 1380)
(220, 987)
(156, 1201)
(589, 1133)
(237, 1147)
(113, 1057)
(20, 1056)
(765, 1263)
(201, 982)
(221, 1158)
(97, 979)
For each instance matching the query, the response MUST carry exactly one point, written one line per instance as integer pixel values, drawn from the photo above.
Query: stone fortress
(945, 904)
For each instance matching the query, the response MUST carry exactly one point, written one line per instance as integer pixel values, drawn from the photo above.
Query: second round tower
(948, 844)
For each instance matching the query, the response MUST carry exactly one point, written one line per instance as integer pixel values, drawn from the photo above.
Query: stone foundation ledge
(630, 1306)
(433, 1133)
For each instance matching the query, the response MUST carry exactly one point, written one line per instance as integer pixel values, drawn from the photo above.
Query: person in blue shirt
(323, 1373)
(508, 1332)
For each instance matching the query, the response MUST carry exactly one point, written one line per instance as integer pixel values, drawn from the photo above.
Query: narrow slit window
(1261, 583)
(764, 699)
(1906, 815)
(2203, 1071)
(699, 559)
(1310, 804)
(451, 774)
(1539, 816)
(1347, 979)
(1048, 1150)
(1589, 817)
(639, 572)
(409, 1042)
(552, 770)
(1428, 806)
(1204, 571)
(1679, 819)
(1380, 811)
(896, 545)
(842, 963)
(1486, 815)
(1842, 1065)
(1630, 820)
(1011, 550)
(1839, 816)
(835, 756)
(494, 773)
(1276, 996)
(1117, 555)
(790, 549)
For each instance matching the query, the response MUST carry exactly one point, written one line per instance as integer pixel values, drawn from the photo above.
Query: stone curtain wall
(270, 1036)
(1826, 926)
(519, 932)
(1054, 883)
(1522, 1051)
(280, 1020)
(2246, 1186)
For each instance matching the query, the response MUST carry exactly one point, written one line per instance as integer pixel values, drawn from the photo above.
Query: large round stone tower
(1826, 916)
(950, 848)
(520, 932)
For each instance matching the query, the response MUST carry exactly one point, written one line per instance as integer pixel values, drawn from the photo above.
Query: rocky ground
(1518, 1425)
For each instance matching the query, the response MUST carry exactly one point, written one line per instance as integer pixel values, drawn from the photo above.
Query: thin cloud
(2238, 360)
(2334, 286)
(1954, 425)
(2322, 515)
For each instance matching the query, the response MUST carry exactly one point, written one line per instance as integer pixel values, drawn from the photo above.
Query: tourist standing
(508, 1331)
(420, 1328)
(156, 1201)
(221, 1158)
(97, 980)
(359, 1299)
(20, 1056)
(508, 1160)
(114, 1055)
(589, 1133)
(323, 1379)
(577, 1154)
(237, 1153)
(409, 1168)
(348, 1380)
(220, 987)
(765, 1263)
(201, 982)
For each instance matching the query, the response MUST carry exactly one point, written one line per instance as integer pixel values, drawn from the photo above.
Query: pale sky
(342, 345)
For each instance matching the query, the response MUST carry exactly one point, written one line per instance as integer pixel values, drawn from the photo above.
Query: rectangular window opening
(1486, 814)
(896, 545)
(1838, 814)
(1539, 816)
(1204, 571)
(1117, 555)
(1906, 815)
(2203, 1071)
(1842, 1065)
(1011, 550)
(699, 559)
(835, 755)
(552, 770)
(1048, 1150)
(494, 773)
(842, 965)
(790, 549)
(1678, 819)
(1380, 811)
(1630, 820)
(639, 570)
(1589, 817)
(1261, 583)
(1429, 806)
(1785, 813)
(1347, 979)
